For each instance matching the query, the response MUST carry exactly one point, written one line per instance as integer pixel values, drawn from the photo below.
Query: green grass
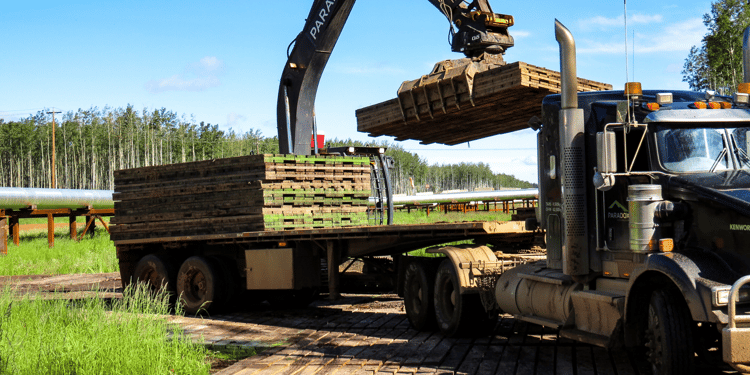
(130, 336)
(421, 217)
(33, 256)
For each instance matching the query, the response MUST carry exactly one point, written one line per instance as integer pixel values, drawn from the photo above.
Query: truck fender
(468, 261)
(659, 268)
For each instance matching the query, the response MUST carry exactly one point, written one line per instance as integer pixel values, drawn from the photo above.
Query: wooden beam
(51, 230)
(73, 226)
(3, 235)
(15, 230)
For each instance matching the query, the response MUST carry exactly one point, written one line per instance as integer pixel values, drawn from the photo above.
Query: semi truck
(643, 198)
(643, 206)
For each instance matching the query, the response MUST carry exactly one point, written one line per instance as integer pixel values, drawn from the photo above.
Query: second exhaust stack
(575, 255)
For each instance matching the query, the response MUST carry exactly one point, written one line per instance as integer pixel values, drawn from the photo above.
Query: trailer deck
(367, 240)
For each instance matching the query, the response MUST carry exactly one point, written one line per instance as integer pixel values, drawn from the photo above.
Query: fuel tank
(534, 291)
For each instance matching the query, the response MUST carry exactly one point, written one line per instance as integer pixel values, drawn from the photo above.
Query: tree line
(91, 144)
(717, 63)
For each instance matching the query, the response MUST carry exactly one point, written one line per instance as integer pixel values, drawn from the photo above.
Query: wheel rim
(196, 285)
(448, 299)
(152, 278)
(416, 297)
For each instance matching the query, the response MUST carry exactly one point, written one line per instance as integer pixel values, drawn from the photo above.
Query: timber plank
(490, 360)
(564, 362)
(247, 193)
(622, 362)
(509, 360)
(527, 360)
(545, 360)
(504, 99)
(436, 355)
(584, 360)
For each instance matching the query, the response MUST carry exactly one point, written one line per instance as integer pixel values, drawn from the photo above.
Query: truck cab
(687, 163)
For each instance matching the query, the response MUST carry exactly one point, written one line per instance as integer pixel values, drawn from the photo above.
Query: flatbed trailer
(216, 268)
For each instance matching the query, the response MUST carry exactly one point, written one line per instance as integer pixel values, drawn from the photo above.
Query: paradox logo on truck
(617, 214)
(320, 23)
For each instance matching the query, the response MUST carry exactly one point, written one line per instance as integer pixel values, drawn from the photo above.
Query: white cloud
(210, 64)
(639, 18)
(179, 83)
(675, 37)
(529, 160)
(605, 22)
(520, 34)
(234, 119)
(199, 76)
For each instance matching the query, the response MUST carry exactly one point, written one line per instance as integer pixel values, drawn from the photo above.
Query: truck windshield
(740, 141)
(684, 150)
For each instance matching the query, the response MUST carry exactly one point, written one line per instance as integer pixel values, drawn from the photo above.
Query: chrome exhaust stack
(568, 75)
(575, 254)
(746, 55)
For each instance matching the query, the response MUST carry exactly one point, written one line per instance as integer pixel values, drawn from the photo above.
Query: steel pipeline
(465, 197)
(18, 198)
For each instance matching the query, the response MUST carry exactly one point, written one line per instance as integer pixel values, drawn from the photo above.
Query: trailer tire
(669, 344)
(458, 314)
(419, 291)
(157, 272)
(197, 285)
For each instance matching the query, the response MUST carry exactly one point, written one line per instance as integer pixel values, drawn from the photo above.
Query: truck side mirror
(605, 152)
(605, 161)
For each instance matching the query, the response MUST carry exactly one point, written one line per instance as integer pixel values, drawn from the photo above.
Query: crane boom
(476, 31)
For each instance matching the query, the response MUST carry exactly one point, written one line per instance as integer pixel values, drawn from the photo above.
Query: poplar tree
(717, 63)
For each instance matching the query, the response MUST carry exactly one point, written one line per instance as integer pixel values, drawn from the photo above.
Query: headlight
(721, 295)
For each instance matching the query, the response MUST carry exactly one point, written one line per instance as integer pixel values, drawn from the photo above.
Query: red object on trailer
(321, 140)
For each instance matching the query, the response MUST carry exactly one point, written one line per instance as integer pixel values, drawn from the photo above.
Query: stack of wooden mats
(241, 194)
(461, 108)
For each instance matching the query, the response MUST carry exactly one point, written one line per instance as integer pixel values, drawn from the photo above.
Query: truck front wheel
(669, 345)
(197, 285)
(418, 296)
(458, 314)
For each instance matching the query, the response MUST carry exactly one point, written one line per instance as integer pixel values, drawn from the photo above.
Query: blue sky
(220, 61)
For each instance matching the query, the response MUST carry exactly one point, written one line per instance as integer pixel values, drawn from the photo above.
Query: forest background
(91, 144)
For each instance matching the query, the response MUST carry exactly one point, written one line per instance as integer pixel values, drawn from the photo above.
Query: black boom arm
(475, 31)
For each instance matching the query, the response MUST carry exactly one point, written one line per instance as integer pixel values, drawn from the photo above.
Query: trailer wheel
(669, 345)
(197, 285)
(155, 271)
(458, 314)
(419, 284)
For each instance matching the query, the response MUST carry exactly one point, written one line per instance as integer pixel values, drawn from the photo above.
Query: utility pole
(53, 185)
